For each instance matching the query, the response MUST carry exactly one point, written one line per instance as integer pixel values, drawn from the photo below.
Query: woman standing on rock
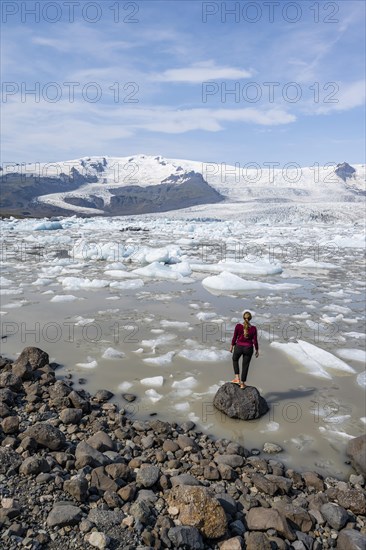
(244, 340)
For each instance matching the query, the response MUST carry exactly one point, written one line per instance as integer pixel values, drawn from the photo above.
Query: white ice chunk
(325, 358)
(165, 359)
(125, 285)
(186, 383)
(156, 381)
(258, 267)
(153, 395)
(90, 364)
(205, 355)
(227, 281)
(111, 353)
(175, 324)
(125, 386)
(311, 264)
(361, 379)
(182, 406)
(352, 354)
(270, 427)
(63, 298)
(157, 270)
(77, 283)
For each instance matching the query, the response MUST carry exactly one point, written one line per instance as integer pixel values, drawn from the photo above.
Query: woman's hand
(231, 349)
(257, 353)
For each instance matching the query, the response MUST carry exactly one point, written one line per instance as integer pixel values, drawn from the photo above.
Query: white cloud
(201, 72)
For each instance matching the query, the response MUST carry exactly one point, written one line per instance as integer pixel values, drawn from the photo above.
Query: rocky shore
(77, 472)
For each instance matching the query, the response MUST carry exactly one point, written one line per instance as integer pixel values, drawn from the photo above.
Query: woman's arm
(233, 341)
(255, 341)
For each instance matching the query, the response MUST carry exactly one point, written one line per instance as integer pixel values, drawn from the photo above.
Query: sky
(236, 82)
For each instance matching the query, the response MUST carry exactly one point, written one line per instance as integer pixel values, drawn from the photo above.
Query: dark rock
(46, 435)
(356, 450)
(186, 442)
(36, 357)
(141, 511)
(63, 514)
(87, 456)
(313, 481)
(184, 479)
(9, 461)
(101, 481)
(34, 465)
(245, 404)
(79, 402)
(6, 396)
(105, 520)
(11, 381)
(101, 441)
(102, 396)
(147, 475)
(352, 499)
(257, 541)
(336, 516)
(297, 515)
(234, 461)
(261, 519)
(129, 397)
(10, 425)
(350, 539)
(77, 487)
(71, 416)
(185, 537)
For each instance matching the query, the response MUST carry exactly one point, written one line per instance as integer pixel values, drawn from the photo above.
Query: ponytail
(246, 323)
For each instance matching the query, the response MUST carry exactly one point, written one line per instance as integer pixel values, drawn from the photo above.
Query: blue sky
(154, 77)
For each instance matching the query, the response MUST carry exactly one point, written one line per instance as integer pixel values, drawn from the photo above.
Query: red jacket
(241, 340)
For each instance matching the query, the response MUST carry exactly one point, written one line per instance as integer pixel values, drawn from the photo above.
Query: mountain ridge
(110, 186)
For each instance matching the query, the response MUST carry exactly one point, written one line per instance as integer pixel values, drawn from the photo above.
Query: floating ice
(175, 324)
(163, 339)
(294, 351)
(48, 226)
(125, 386)
(91, 364)
(270, 427)
(205, 315)
(165, 359)
(5, 282)
(352, 354)
(153, 395)
(155, 381)
(77, 283)
(182, 406)
(205, 355)
(227, 281)
(157, 270)
(111, 353)
(361, 379)
(309, 263)
(186, 383)
(125, 285)
(257, 267)
(64, 298)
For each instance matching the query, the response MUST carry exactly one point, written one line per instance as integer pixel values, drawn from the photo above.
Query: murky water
(311, 418)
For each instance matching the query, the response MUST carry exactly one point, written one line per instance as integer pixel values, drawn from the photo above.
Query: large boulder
(246, 404)
(199, 508)
(356, 450)
(37, 358)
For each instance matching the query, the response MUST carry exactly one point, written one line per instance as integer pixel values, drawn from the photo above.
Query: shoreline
(76, 471)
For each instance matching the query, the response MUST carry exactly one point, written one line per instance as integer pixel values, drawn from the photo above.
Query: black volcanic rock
(246, 404)
(344, 171)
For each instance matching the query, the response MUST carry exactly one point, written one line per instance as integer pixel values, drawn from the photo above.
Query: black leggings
(247, 353)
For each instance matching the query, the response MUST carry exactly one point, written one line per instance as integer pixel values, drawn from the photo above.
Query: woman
(245, 337)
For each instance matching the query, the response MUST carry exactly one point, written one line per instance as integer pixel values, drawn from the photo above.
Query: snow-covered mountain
(139, 184)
